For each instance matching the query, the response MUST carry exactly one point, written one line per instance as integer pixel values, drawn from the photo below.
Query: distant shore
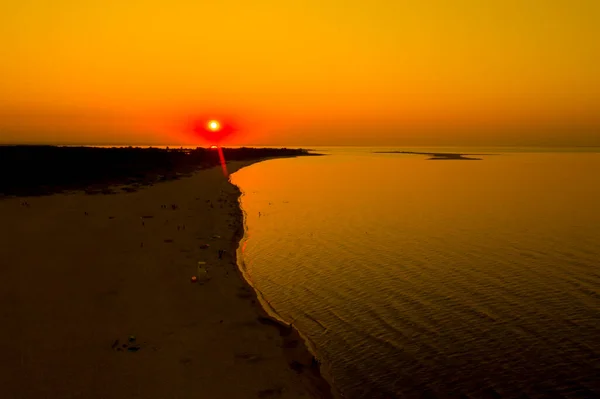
(40, 170)
(437, 156)
(98, 299)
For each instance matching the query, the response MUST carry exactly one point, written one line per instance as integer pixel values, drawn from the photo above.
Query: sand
(96, 299)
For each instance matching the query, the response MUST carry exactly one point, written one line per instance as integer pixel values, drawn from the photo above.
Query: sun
(214, 125)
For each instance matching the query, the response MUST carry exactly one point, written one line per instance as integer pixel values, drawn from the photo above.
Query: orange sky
(329, 72)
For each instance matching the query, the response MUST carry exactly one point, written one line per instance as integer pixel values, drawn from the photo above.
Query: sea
(419, 278)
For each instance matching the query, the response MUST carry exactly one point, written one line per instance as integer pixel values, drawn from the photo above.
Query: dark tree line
(38, 170)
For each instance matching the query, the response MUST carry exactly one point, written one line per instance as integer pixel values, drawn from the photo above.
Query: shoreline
(85, 272)
(289, 333)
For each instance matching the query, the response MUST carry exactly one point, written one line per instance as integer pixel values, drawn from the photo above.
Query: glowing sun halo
(214, 125)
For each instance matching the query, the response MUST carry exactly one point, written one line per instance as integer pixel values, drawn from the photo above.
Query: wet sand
(96, 299)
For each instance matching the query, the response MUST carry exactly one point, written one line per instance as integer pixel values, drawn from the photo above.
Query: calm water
(418, 278)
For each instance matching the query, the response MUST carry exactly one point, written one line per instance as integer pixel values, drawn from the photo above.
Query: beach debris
(194, 279)
(216, 236)
(86, 214)
(201, 262)
(132, 346)
(202, 273)
(221, 253)
(204, 246)
(249, 357)
(168, 240)
(111, 217)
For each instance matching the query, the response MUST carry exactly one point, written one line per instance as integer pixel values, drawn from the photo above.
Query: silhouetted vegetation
(38, 170)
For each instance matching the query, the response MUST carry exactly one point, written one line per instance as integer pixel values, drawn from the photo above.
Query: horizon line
(178, 145)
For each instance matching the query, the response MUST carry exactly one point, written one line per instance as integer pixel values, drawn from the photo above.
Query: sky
(311, 72)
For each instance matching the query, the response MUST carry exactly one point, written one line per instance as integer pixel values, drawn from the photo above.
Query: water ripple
(444, 282)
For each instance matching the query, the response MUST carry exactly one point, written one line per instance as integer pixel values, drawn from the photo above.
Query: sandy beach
(96, 299)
